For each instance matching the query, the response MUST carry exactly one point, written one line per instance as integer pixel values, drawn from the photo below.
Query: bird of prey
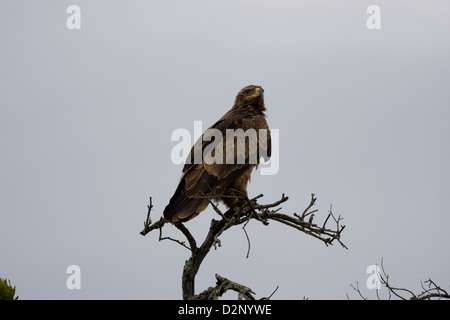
(219, 164)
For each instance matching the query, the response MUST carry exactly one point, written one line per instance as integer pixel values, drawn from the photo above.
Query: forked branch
(241, 215)
(430, 290)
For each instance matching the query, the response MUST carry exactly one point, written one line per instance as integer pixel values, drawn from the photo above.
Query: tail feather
(182, 208)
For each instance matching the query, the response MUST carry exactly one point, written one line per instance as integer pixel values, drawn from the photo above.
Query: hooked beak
(259, 92)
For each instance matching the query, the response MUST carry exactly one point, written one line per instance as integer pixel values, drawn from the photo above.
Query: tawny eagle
(226, 180)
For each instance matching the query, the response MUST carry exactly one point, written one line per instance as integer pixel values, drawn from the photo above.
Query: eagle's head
(251, 96)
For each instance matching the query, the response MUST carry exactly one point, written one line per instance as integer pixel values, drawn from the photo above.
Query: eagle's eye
(248, 92)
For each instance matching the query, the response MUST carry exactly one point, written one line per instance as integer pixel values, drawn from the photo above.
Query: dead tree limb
(241, 215)
(430, 290)
(223, 285)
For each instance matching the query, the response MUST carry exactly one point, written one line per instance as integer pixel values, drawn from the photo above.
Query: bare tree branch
(182, 243)
(247, 210)
(222, 286)
(148, 226)
(430, 290)
(356, 288)
(270, 296)
(189, 237)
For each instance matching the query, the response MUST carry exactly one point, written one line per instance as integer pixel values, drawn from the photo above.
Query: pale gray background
(86, 118)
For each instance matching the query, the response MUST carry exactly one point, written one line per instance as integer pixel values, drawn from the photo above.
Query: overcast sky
(86, 118)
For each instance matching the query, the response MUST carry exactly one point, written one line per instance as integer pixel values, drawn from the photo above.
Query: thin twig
(268, 298)
(148, 226)
(248, 239)
(182, 243)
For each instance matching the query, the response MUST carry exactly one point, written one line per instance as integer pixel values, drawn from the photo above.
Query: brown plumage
(228, 173)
